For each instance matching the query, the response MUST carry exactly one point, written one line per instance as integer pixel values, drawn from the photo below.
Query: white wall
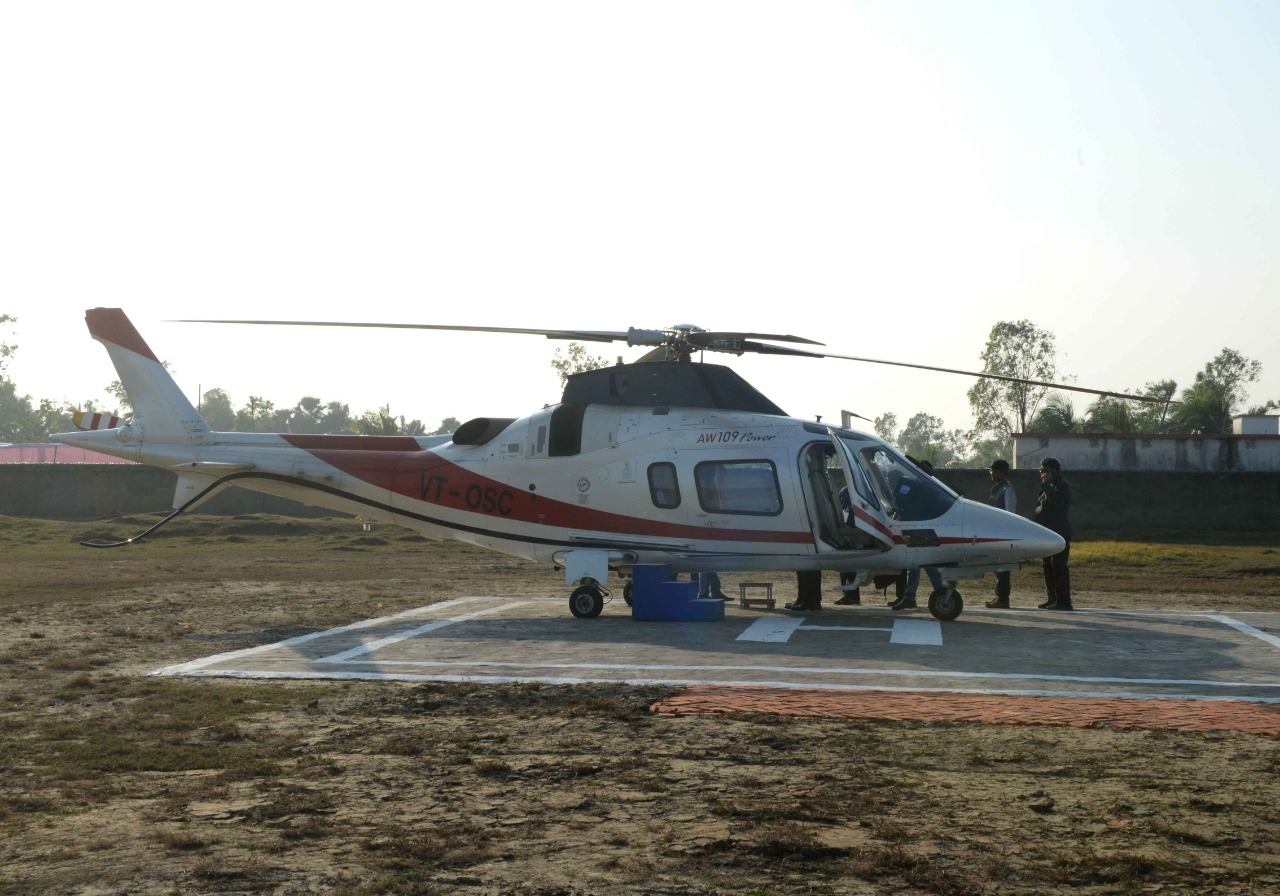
(1180, 453)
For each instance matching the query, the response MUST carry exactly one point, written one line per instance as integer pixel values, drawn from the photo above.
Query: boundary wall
(1112, 500)
(102, 491)
(1105, 500)
(1117, 452)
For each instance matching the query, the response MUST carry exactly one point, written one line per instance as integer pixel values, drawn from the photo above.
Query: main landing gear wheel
(945, 603)
(586, 602)
(627, 591)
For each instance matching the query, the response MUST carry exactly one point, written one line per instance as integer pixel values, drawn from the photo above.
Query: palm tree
(378, 423)
(1057, 415)
(1109, 415)
(382, 423)
(1205, 410)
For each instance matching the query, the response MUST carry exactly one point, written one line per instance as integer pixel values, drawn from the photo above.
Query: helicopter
(663, 465)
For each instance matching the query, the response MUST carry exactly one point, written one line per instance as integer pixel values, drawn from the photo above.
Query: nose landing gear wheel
(627, 592)
(945, 603)
(586, 602)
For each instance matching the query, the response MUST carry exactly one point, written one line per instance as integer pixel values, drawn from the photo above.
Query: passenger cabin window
(664, 488)
(749, 486)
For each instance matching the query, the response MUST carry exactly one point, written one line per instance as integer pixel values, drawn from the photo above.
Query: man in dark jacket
(1053, 512)
(1004, 497)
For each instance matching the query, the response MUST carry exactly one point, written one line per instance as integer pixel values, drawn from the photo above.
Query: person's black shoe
(1047, 605)
(1060, 606)
(903, 603)
(998, 603)
(849, 600)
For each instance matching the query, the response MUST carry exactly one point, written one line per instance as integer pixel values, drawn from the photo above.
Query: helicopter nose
(1028, 540)
(1032, 539)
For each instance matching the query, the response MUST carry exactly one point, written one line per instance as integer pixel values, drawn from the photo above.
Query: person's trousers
(1057, 577)
(809, 588)
(1002, 585)
(913, 580)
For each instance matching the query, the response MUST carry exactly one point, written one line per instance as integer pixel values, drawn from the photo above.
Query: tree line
(1001, 408)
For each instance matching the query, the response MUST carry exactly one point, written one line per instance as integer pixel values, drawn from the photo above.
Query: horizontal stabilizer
(87, 421)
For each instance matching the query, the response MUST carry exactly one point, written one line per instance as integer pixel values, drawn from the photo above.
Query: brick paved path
(1079, 712)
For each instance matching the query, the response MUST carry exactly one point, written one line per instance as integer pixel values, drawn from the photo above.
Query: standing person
(1004, 497)
(911, 583)
(709, 587)
(853, 596)
(808, 591)
(1052, 511)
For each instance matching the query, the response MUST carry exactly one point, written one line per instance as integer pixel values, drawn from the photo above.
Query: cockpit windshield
(906, 492)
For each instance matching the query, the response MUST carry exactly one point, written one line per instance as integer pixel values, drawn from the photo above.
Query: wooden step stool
(745, 600)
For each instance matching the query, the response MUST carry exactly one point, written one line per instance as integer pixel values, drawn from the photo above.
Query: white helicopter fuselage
(593, 487)
(509, 495)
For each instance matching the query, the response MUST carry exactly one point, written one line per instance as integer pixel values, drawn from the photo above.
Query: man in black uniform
(1052, 511)
(1004, 497)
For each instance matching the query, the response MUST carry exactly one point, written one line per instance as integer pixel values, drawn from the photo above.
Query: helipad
(1101, 653)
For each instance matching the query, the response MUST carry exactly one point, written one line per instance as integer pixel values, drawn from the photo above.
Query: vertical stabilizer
(160, 411)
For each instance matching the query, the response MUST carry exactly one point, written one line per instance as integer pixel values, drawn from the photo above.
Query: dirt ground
(116, 783)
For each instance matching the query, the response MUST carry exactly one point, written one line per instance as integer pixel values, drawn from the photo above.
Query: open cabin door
(866, 513)
(830, 473)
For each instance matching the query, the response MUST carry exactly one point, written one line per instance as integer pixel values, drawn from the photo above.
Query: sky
(889, 178)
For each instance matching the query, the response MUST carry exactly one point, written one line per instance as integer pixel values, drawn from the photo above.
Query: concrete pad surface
(1111, 653)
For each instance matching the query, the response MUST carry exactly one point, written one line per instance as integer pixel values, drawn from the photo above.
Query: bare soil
(116, 783)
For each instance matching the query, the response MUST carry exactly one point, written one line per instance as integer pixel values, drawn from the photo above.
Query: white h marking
(918, 632)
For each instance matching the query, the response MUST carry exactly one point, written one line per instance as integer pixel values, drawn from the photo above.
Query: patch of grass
(791, 843)
(180, 841)
(492, 768)
(1182, 836)
(1087, 866)
(80, 681)
(216, 870)
(410, 883)
(1133, 564)
(292, 799)
(442, 846)
(401, 744)
(309, 827)
(151, 727)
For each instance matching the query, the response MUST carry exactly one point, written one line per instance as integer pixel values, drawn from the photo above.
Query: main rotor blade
(583, 335)
(712, 336)
(999, 376)
(699, 340)
(711, 341)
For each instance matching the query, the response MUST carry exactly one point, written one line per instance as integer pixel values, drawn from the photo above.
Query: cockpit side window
(907, 492)
(664, 487)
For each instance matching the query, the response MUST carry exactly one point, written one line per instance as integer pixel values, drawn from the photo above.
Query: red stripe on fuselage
(877, 525)
(315, 444)
(424, 476)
